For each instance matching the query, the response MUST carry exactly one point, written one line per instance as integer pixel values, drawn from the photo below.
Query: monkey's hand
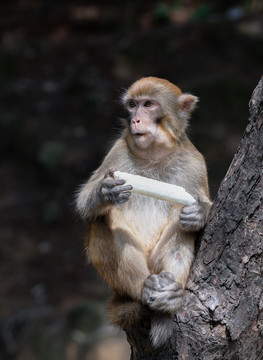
(114, 191)
(193, 217)
(161, 292)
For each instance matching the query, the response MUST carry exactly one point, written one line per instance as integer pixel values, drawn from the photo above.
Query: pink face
(144, 117)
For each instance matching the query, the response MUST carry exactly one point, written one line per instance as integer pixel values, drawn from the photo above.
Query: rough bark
(222, 317)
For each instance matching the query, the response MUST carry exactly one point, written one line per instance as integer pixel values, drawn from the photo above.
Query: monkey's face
(145, 115)
(158, 116)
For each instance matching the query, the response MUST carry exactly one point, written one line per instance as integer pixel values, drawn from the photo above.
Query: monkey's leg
(116, 251)
(170, 262)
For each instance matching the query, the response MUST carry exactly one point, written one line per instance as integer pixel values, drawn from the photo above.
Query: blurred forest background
(63, 65)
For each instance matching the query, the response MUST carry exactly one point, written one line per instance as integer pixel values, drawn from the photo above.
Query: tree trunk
(222, 317)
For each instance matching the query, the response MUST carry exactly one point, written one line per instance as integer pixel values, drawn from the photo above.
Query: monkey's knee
(126, 313)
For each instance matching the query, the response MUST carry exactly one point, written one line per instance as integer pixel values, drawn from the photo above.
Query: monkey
(144, 247)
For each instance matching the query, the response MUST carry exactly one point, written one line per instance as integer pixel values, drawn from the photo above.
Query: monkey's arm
(194, 217)
(97, 197)
(102, 191)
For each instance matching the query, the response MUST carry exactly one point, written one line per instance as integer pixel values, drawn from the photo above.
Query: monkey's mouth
(140, 134)
(142, 140)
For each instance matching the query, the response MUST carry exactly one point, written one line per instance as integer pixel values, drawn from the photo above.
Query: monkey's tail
(161, 329)
(127, 314)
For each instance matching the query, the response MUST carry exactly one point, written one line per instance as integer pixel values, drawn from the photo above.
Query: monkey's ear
(187, 103)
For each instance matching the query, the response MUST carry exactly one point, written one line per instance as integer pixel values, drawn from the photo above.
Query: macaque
(143, 247)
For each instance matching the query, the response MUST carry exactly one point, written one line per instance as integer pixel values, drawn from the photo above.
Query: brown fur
(143, 247)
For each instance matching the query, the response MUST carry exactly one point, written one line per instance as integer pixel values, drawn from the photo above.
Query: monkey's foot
(162, 292)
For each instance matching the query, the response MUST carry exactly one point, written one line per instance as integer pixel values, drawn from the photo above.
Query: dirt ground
(63, 65)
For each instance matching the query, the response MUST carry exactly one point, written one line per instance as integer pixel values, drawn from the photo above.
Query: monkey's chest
(147, 216)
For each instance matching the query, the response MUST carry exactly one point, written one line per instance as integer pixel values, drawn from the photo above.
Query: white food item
(157, 189)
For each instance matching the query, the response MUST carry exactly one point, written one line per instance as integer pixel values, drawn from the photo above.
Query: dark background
(63, 65)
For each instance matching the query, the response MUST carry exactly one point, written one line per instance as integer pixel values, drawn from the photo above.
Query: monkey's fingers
(192, 224)
(110, 183)
(191, 209)
(191, 217)
(192, 213)
(121, 189)
(123, 197)
(119, 197)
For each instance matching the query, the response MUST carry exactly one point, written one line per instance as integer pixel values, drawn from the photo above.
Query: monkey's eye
(131, 104)
(148, 103)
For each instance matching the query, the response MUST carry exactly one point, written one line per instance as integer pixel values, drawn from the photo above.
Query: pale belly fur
(147, 216)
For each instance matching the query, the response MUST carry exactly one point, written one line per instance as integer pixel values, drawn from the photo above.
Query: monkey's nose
(136, 121)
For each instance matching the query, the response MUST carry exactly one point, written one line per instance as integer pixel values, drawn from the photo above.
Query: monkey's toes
(166, 278)
(168, 300)
(152, 282)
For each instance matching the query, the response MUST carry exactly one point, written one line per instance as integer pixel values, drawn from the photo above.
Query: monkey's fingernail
(111, 173)
(150, 299)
